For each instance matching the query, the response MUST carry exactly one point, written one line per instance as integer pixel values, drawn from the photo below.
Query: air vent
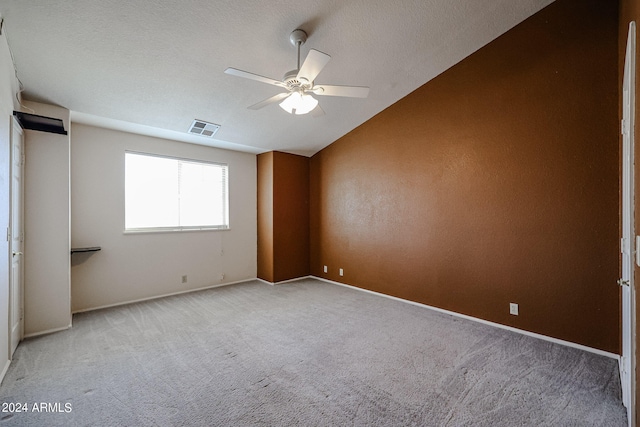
(203, 128)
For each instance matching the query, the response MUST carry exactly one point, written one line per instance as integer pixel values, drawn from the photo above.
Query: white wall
(8, 89)
(47, 278)
(137, 266)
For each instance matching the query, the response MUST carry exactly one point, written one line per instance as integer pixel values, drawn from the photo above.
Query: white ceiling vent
(203, 128)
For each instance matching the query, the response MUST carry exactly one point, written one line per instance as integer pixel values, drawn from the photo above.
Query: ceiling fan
(299, 83)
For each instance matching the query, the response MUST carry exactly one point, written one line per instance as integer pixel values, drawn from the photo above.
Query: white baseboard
(486, 322)
(4, 370)
(118, 304)
(285, 281)
(48, 331)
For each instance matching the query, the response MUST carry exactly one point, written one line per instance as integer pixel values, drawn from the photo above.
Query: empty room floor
(306, 353)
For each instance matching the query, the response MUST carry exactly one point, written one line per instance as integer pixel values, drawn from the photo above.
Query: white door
(16, 235)
(627, 363)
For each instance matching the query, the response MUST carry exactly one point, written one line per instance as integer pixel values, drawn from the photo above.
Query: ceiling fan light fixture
(298, 103)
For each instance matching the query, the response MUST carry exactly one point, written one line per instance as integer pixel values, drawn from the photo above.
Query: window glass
(169, 193)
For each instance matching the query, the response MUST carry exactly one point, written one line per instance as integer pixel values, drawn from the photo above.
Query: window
(165, 193)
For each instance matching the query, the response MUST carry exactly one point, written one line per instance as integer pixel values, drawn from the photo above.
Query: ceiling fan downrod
(297, 38)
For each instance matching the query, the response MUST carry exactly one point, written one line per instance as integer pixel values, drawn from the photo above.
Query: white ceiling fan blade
(317, 112)
(256, 77)
(272, 100)
(313, 64)
(349, 91)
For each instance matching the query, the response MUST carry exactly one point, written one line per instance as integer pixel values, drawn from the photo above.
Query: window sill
(172, 230)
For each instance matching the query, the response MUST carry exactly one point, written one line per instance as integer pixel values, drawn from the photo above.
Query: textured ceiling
(153, 67)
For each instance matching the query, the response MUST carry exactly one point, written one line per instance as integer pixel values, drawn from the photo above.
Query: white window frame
(180, 228)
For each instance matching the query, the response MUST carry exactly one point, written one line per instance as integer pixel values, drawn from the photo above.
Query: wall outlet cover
(513, 308)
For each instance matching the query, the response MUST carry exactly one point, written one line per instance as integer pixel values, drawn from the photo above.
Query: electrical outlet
(222, 277)
(341, 272)
(513, 308)
(184, 279)
(326, 269)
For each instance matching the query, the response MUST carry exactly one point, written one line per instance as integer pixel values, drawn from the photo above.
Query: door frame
(15, 125)
(629, 243)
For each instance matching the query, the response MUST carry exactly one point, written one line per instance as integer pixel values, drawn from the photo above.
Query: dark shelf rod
(89, 249)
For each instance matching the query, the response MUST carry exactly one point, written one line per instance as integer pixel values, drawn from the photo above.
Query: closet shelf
(89, 249)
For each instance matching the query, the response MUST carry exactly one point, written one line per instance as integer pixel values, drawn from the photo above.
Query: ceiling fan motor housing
(292, 81)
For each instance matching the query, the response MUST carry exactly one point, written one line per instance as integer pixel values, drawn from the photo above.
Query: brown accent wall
(283, 216)
(265, 216)
(630, 11)
(496, 182)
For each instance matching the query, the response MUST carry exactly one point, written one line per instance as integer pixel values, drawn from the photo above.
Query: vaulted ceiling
(153, 67)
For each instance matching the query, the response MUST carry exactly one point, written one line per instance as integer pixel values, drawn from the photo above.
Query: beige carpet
(306, 353)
